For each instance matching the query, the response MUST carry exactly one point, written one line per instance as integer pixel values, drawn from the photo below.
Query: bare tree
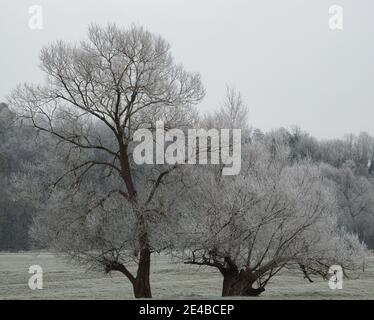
(271, 216)
(97, 94)
(355, 195)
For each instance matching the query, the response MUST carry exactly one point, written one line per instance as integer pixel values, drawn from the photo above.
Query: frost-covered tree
(355, 195)
(269, 217)
(101, 208)
(278, 212)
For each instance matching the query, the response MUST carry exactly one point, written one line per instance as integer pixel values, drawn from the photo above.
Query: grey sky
(291, 68)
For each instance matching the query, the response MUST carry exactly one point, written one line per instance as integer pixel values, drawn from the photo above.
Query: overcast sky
(291, 68)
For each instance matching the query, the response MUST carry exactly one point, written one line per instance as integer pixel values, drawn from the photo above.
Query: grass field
(169, 280)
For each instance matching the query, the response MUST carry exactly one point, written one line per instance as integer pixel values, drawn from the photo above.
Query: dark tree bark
(142, 287)
(140, 283)
(239, 284)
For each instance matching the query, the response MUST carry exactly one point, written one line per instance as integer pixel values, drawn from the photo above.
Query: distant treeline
(16, 148)
(349, 163)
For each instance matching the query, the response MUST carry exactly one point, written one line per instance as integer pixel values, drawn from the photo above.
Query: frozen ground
(169, 280)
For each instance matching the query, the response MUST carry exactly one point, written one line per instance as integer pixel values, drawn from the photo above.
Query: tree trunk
(239, 284)
(141, 283)
(142, 287)
(228, 280)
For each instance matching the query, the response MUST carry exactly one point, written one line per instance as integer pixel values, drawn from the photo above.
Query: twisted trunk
(239, 283)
